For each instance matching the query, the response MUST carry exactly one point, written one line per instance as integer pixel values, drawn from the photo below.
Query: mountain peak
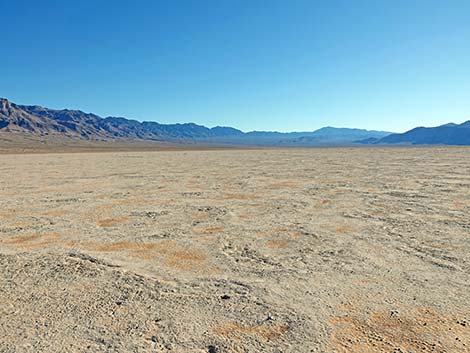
(5, 106)
(4, 101)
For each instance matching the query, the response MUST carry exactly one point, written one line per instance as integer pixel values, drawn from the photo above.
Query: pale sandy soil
(17, 143)
(315, 250)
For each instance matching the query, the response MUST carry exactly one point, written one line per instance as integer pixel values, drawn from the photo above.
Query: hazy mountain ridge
(447, 134)
(346, 134)
(33, 120)
(40, 121)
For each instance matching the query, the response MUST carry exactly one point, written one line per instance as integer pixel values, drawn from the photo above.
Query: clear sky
(256, 65)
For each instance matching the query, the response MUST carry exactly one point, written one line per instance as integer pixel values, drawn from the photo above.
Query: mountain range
(448, 134)
(75, 124)
(72, 125)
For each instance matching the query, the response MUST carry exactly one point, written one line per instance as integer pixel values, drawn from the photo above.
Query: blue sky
(291, 65)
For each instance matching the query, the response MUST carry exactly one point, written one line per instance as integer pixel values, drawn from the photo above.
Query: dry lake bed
(269, 250)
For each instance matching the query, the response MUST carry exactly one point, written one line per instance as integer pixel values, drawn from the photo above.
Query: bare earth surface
(320, 250)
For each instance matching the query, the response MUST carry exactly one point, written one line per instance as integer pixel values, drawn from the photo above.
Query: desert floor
(300, 250)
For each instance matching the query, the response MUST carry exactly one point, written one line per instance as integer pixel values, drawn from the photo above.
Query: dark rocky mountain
(77, 124)
(15, 119)
(40, 121)
(448, 134)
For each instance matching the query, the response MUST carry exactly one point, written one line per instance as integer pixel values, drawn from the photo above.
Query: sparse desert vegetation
(267, 250)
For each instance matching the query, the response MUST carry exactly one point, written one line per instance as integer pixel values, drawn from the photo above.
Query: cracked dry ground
(300, 250)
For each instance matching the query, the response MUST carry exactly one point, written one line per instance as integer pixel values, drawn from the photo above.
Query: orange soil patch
(283, 184)
(7, 194)
(262, 234)
(46, 239)
(146, 250)
(277, 243)
(343, 229)
(20, 239)
(459, 204)
(200, 216)
(174, 255)
(55, 213)
(212, 230)
(185, 259)
(209, 238)
(193, 181)
(29, 242)
(12, 209)
(6, 216)
(321, 203)
(336, 191)
(419, 330)
(245, 216)
(235, 330)
(111, 222)
(295, 235)
(108, 206)
(194, 187)
(18, 224)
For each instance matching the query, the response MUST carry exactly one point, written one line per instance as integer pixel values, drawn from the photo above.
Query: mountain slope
(75, 124)
(15, 119)
(448, 134)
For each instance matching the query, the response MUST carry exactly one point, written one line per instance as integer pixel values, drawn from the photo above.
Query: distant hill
(448, 134)
(74, 124)
(325, 133)
(342, 135)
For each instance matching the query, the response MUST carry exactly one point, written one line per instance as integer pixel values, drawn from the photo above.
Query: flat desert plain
(281, 250)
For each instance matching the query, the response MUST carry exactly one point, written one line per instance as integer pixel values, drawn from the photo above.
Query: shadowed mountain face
(40, 121)
(15, 119)
(448, 134)
(77, 124)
